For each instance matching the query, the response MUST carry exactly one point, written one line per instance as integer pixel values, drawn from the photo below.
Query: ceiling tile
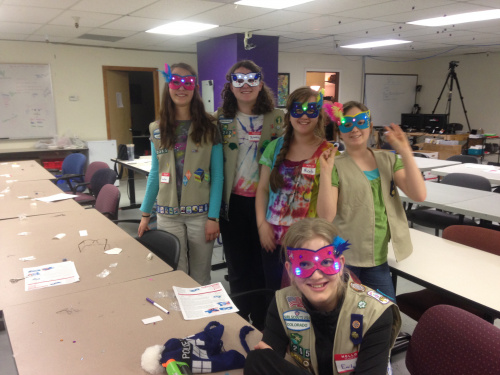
(10, 13)
(273, 19)
(18, 28)
(229, 14)
(112, 7)
(87, 19)
(175, 9)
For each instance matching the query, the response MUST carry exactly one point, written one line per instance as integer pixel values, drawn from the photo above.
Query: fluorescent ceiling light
(379, 43)
(273, 4)
(181, 28)
(459, 18)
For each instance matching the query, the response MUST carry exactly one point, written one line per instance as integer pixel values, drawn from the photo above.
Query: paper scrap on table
(83, 233)
(10, 181)
(5, 175)
(27, 258)
(153, 319)
(59, 236)
(23, 197)
(114, 251)
(56, 197)
(23, 233)
(2, 195)
(15, 165)
(50, 275)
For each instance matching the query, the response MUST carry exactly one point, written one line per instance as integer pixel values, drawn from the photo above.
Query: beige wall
(78, 71)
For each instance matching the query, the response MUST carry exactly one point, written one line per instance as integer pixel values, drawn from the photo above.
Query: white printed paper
(204, 301)
(56, 197)
(60, 236)
(83, 233)
(50, 275)
(114, 251)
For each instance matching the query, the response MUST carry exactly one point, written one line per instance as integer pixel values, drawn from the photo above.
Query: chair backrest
(74, 164)
(449, 341)
(108, 201)
(94, 167)
(464, 159)
(467, 180)
(480, 238)
(100, 178)
(165, 245)
(420, 155)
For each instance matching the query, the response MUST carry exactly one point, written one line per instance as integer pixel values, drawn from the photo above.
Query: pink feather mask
(334, 111)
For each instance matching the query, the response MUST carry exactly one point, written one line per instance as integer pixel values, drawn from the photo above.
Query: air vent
(103, 38)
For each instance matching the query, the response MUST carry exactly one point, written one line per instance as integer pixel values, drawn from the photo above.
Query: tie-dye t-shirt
(248, 130)
(298, 196)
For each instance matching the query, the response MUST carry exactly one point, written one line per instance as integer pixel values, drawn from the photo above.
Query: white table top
(26, 170)
(460, 269)
(143, 163)
(483, 207)
(492, 173)
(442, 195)
(426, 164)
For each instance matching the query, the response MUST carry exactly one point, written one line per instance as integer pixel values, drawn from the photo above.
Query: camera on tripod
(453, 64)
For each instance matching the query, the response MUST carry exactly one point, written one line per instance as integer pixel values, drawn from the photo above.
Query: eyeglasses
(239, 79)
(86, 243)
(188, 82)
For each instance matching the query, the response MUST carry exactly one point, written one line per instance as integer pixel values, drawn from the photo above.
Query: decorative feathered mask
(334, 111)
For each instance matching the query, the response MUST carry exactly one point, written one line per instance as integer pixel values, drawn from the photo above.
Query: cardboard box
(444, 151)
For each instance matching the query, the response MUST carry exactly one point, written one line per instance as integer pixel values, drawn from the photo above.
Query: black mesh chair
(164, 245)
(464, 159)
(440, 220)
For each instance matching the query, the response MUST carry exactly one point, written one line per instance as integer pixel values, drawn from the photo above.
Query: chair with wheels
(164, 245)
(439, 220)
(91, 169)
(108, 201)
(100, 178)
(464, 159)
(415, 304)
(72, 172)
(449, 341)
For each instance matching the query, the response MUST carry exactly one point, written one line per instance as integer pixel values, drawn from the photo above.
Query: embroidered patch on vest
(295, 302)
(361, 304)
(297, 320)
(279, 120)
(357, 287)
(188, 175)
(393, 188)
(383, 300)
(233, 146)
(156, 134)
(162, 151)
(224, 120)
(296, 338)
(199, 174)
(356, 328)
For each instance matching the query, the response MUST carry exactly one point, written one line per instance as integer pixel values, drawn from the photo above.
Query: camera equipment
(452, 76)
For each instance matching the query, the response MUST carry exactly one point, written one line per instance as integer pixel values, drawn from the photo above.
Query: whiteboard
(387, 96)
(26, 102)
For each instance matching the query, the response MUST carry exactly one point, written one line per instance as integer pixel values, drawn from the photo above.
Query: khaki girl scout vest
(361, 308)
(196, 177)
(272, 128)
(355, 210)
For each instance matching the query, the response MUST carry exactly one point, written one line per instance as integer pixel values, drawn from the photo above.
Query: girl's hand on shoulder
(397, 138)
(266, 235)
(261, 345)
(211, 230)
(327, 159)
(143, 226)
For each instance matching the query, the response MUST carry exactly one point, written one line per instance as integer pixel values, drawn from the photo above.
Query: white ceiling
(315, 27)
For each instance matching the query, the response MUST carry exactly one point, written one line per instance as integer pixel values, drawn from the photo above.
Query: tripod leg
(441, 93)
(462, 100)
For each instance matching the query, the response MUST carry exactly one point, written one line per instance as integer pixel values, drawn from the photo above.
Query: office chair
(416, 303)
(164, 245)
(108, 201)
(91, 169)
(71, 172)
(464, 159)
(440, 220)
(100, 178)
(451, 341)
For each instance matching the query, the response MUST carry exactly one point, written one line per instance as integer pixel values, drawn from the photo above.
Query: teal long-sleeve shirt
(216, 182)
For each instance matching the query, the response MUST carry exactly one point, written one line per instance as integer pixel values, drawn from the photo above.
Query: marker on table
(155, 304)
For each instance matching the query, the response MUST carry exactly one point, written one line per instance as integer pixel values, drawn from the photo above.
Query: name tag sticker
(309, 169)
(254, 136)
(346, 362)
(165, 178)
(297, 320)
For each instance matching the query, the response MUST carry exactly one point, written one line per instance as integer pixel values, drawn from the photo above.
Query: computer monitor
(411, 122)
(435, 123)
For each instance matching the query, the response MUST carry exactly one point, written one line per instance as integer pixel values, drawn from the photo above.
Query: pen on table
(155, 304)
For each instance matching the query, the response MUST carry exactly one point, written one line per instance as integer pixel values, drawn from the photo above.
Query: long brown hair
(265, 100)
(203, 130)
(300, 95)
